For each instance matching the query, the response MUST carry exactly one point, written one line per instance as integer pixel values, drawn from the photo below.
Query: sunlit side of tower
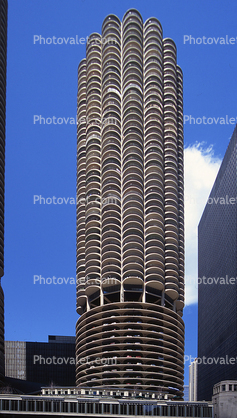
(130, 215)
(3, 63)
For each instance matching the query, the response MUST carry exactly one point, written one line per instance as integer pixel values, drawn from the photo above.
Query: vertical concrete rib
(81, 186)
(132, 157)
(111, 159)
(180, 301)
(154, 160)
(93, 172)
(171, 171)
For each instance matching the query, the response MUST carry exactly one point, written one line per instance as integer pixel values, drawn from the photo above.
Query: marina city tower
(130, 213)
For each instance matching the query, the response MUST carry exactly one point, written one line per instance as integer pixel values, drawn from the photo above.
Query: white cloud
(200, 170)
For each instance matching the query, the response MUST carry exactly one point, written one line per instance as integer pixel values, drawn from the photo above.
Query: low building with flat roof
(225, 399)
(47, 363)
(100, 402)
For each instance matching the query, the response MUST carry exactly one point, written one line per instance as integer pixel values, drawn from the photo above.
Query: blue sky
(40, 239)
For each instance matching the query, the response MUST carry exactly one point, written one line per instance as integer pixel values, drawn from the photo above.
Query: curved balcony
(111, 258)
(93, 44)
(132, 78)
(111, 35)
(111, 194)
(92, 265)
(170, 145)
(111, 211)
(114, 106)
(133, 113)
(133, 253)
(132, 203)
(133, 245)
(131, 219)
(111, 21)
(133, 139)
(153, 96)
(154, 246)
(111, 75)
(111, 139)
(154, 130)
(133, 214)
(154, 226)
(132, 191)
(153, 89)
(153, 50)
(152, 168)
(153, 270)
(109, 224)
(132, 17)
(132, 123)
(112, 231)
(111, 146)
(111, 269)
(92, 290)
(133, 169)
(109, 250)
(132, 31)
(81, 304)
(152, 24)
(132, 68)
(172, 291)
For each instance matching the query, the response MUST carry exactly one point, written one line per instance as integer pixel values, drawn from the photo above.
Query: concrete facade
(193, 379)
(224, 399)
(72, 402)
(130, 215)
(217, 272)
(42, 362)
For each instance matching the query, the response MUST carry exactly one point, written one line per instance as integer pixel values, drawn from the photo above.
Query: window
(14, 405)
(81, 408)
(98, 409)
(90, 408)
(31, 406)
(114, 409)
(5, 405)
(47, 406)
(123, 409)
(106, 408)
(39, 406)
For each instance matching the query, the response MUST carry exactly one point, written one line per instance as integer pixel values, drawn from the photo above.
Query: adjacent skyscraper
(193, 374)
(130, 214)
(41, 362)
(217, 271)
(3, 63)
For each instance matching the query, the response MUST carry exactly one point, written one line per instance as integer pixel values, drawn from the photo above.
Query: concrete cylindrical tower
(130, 228)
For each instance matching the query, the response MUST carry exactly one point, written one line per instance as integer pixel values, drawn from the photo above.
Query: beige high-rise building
(193, 377)
(3, 64)
(130, 213)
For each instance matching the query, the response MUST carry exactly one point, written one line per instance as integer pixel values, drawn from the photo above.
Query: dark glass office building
(51, 363)
(217, 299)
(3, 63)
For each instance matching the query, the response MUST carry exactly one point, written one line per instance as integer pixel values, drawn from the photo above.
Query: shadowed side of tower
(3, 63)
(130, 215)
